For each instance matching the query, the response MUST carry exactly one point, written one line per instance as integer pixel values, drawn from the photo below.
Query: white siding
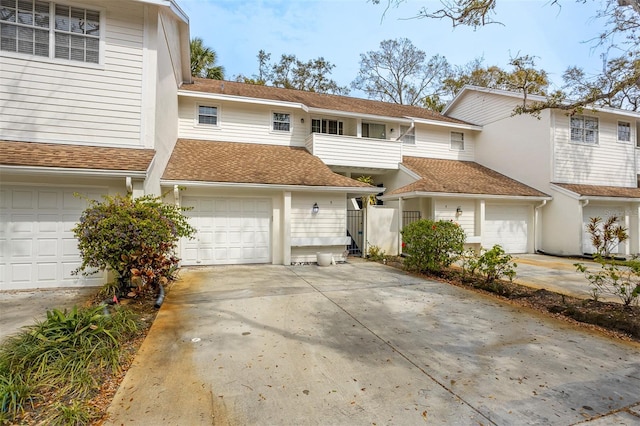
(164, 111)
(445, 209)
(608, 162)
(54, 101)
(482, 108)
(240, 122)
(330, 221)
(518, 147)
(435, 142)
(351, 151)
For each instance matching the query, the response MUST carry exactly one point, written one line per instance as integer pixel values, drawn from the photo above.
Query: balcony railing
(351, 151)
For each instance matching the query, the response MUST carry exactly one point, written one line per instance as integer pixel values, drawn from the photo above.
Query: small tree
(493, 264)
(613, 278)
(432, 246)
(133, 237)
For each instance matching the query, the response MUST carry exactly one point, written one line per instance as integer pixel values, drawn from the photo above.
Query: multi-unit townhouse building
(96, 98)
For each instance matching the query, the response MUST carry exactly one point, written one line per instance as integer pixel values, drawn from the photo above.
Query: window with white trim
(50, 30)
(331, 127)
(207, 115)
(624, 131)
(281, 122)
(457, 141)
(408, 135)
(584, 129)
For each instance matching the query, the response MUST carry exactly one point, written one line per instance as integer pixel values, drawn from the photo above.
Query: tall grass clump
(63, 358)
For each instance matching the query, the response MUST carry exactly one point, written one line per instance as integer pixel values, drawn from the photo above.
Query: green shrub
(375, 253)
(130, 236)
(615, 278)
(493, 264)
(432, 246)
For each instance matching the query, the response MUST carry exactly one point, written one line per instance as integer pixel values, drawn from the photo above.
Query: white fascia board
(469, 88)
(221, 97)
(416, 194)
(530, 97)
(408, 171)
(579, 197)
(171, 5)
(291, 188)
(339, 113)
(71, 172)
(565, 191)
(445, 124)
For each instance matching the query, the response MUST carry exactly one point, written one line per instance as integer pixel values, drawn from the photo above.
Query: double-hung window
(457, 141)
(50, 30)
(584, 129)
(281, 122)
(208, 115)
(624, 131)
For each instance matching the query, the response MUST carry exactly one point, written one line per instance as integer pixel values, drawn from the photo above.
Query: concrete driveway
(362, 343)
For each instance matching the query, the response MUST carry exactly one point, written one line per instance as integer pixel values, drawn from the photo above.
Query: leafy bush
(621, 280)
(493, 264)
(432, 246)
(63, 357)
(131, 237)
(375, 253)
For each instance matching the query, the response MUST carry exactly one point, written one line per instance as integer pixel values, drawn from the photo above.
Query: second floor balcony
(352, 151)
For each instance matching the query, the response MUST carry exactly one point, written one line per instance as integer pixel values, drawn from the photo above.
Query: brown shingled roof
(56, 155)
(461, 177)
(601, 191)
(212, 161)
(315, 100)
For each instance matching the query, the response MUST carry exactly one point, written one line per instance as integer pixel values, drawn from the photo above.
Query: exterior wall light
(302, 120)
(459, 210)
(315, 209)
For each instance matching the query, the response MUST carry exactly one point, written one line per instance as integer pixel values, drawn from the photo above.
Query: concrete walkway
(363, 344)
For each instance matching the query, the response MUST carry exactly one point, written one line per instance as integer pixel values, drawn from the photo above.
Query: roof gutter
(416, 194)
(72, 171)
(588, 198)
(234, 98)
(279, 187)
(446, 124)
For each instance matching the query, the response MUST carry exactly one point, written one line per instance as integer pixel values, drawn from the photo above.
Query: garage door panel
(229, 231)
(507, 226)
(47, 272)
(38, 246)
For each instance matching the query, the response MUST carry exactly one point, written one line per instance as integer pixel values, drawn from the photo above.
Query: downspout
(583, 204)
(129, 185)
(536, 221)
(176, 195)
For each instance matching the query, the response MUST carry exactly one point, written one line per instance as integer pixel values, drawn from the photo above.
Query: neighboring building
(587, 162)
(88, 104)
(424, 160)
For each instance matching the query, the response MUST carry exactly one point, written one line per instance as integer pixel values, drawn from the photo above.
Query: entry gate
(355, 230)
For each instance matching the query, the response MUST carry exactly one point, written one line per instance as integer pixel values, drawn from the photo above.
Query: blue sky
(340, 30)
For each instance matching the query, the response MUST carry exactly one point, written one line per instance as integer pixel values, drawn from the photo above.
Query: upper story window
(457, 141)
(373, 130)
(208, 115)
(408, 135)
(281, 121)
(331, 127)
(584, 129)
(624, 131)
(50, 30)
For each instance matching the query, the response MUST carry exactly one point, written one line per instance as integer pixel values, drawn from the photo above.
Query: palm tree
(203, 61)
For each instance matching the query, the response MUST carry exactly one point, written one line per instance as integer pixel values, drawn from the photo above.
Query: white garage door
(229, 231)
(603, 212)
(37, 247)
(507, 226)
